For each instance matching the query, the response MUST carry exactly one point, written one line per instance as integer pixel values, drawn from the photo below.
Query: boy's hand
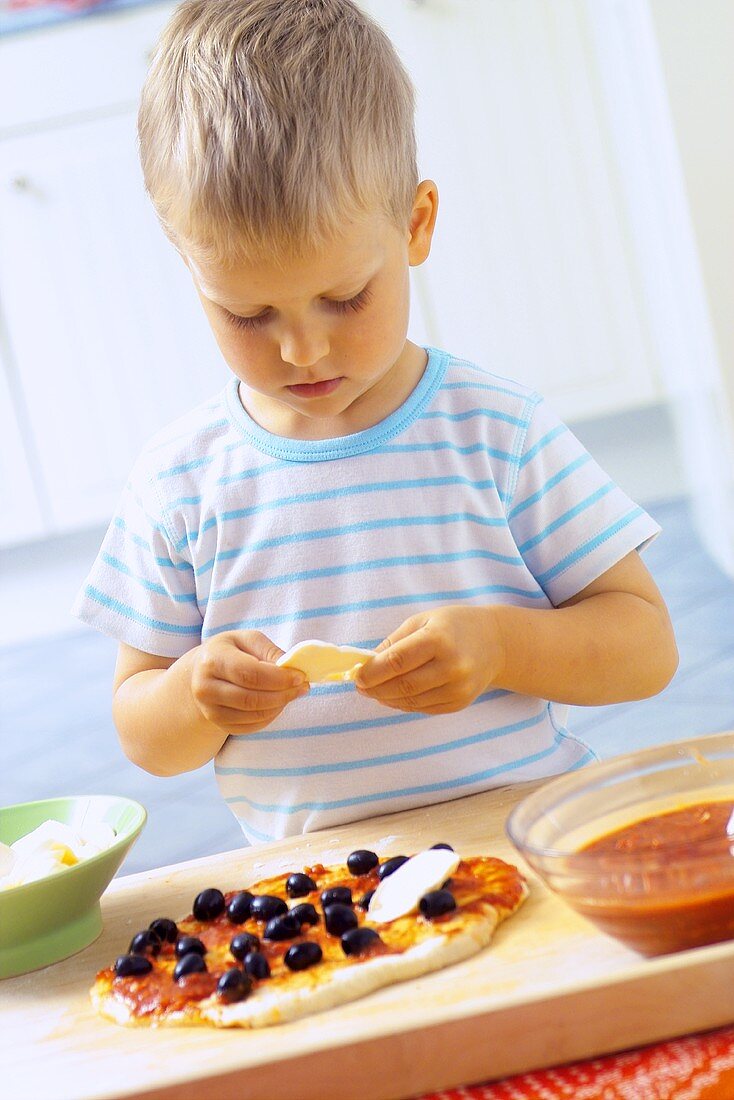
(437, 662)
(236, 684)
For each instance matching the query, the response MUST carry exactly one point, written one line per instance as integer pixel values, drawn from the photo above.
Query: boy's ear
(422, 222)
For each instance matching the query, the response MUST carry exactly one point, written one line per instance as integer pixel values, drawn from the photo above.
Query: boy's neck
(370, 408)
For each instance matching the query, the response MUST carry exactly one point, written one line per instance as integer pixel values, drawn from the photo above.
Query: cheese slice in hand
(400, 893)
(322, 662)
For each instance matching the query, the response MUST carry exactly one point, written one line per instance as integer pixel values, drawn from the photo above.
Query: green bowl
(47, 920)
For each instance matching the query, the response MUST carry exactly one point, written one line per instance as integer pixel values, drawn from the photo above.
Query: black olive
(234, 985)
(447, 847)
(256, 965)
(362, 861)
(265, 907)
(436, 903)
(244, 942)
(339, 919)
(306, 913)
(208, 904)
(188, 945)
(357, 940)
(390, 866)
(302, 955)
(284, 927)
(336, 895)
(165, 929)
(364, 901)
(238, 909)
(298, 885)
(143, 942)
(132, 966)
(189, 964)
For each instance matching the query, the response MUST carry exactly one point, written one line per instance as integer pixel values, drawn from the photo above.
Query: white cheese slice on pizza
(322, 662)
(399, 893)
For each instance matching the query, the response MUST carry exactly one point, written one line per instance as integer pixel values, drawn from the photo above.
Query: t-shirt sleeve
(141, 588)
(570, 521)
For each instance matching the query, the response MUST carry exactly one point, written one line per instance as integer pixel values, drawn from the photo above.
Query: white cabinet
(531, 272)
(103, 322)
(102, 338)
(20, 503)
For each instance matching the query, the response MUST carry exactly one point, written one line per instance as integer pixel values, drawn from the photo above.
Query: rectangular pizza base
(549, 989)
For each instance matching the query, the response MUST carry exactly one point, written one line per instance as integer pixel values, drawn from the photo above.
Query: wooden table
(549, 989)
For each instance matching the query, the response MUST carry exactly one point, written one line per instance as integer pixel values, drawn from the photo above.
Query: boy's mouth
(315, 389)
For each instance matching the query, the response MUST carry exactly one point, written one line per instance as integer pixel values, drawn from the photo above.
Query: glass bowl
(667, 885)
(47, 920)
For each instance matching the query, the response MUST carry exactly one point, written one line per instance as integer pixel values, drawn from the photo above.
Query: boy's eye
(248, 323)
(348, 305)
(359, 301)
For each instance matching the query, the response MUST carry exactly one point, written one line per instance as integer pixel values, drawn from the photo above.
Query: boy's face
(320, 343)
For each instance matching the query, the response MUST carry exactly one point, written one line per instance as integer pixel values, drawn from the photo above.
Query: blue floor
(58, 738)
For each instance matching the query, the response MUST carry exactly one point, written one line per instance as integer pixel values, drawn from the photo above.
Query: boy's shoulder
(192, 438)
(468, 382)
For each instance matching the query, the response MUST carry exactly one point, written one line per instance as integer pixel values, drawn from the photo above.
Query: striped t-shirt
(471, 492)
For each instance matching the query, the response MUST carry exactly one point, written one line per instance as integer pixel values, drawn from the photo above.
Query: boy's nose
(303, 348)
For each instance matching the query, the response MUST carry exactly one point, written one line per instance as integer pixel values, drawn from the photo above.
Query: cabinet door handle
(24, 185)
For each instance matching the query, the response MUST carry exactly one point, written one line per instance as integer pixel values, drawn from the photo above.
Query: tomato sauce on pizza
(288, 937)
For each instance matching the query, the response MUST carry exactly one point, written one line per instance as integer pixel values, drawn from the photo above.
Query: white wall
(696, 43)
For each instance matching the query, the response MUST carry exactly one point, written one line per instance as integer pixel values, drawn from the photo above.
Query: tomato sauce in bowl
(684, 896)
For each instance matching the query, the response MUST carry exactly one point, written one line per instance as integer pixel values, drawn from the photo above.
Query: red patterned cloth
(698, 1067)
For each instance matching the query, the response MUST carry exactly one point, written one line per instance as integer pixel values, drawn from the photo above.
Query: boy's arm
(173, 715)
(611, 642)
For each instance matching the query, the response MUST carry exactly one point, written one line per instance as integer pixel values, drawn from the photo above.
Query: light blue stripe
(444, 445)
(469, 414)
(349, 529)
(569, 515)
(130, 613)
(336, 729)
(253, 471)
(590, 545)
(119, 522)
(369, 605)
(550, 484)
(195, 464)
(362, 567)
(115, 563)
(403, 792)
(392, 758)
(542, 443)
(484, 386)
(166, 563)
(335, 494)
(255, 833)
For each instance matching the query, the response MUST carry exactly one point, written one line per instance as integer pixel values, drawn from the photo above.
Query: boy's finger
(247, 671)
(257, 645)
(409, 686)
(415, 622)
(244, 699)
(398, 660)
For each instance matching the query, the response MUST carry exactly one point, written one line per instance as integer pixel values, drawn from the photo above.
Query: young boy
(347, 485)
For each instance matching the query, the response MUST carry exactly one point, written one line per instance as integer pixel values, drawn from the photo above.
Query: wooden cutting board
(549, 989)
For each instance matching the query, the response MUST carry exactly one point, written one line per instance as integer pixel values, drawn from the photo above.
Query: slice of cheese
(7, 858)
(400, 892)
(322, 662)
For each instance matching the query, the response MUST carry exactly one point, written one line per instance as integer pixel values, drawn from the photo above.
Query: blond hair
(265, 124)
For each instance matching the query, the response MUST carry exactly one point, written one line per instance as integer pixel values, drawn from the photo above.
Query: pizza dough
(482, 891)
(322, 662)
